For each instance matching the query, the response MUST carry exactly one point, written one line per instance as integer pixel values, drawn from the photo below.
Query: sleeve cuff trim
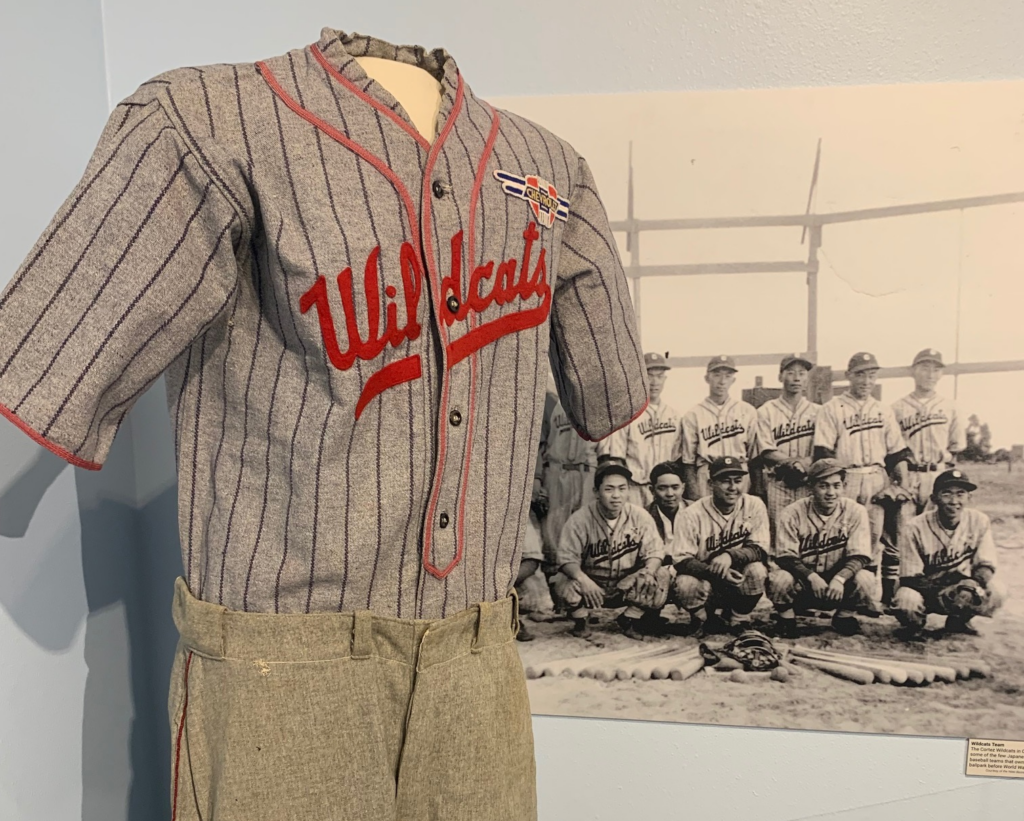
(64, 454)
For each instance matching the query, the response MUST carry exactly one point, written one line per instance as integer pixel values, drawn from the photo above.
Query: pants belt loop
(515, 611)
(483, 610)
(362, 634)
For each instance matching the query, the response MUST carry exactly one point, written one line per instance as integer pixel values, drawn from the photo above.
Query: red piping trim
(362, 95)
(443, 330)
(177, 746)
(470, 265)
(402, 370)
(66, 455)
(620, 427)
(349, 143)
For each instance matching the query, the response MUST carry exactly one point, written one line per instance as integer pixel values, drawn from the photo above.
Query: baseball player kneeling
(822, 547)
(948, 562)
(724, 545)
(610, 556)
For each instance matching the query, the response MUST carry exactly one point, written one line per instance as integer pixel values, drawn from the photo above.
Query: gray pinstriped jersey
(354, 324)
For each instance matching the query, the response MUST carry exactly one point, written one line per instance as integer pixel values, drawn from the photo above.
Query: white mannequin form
(414, 87)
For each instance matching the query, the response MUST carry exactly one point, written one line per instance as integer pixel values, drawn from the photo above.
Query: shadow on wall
(129, 559)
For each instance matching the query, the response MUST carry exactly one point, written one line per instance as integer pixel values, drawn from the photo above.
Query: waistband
(582, 467)
(925, 467)
(864, 469)
(216, 632)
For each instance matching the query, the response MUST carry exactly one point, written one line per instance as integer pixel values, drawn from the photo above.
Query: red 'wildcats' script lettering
(489, 284)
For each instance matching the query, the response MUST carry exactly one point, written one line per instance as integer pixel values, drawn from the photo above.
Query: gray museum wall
(88, 558)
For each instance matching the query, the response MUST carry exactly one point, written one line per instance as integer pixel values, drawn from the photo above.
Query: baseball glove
(963, 598)
(647, 589)
(751, 648)
(791, 474)
(893, 495)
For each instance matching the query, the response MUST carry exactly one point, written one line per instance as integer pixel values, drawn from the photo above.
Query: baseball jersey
(862, 434)
(647, 441)
(607, 554)
(670, 530)
(823, 542)
(931, 428)
(788, 430)
(709, 431)
(564, 445)
(354, 324)
(707, 532)
(933, 551)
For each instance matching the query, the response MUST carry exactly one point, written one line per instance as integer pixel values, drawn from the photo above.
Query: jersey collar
(340, 48)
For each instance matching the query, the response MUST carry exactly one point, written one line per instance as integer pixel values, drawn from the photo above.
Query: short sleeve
(957, 434)
(787, 537)
(653, 546)
(751, 424)
(986, 553)
(570, 540)
(595, 348)
(760, 527)
(765, 436)
(894, 441)
(689, 533)
(136, 263)
(688, 439)
(826, 429)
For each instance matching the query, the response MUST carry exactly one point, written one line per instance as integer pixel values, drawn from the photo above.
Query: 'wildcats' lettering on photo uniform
(607, 551)
(569, 464)
(706, 532)
(789, 431)
(933, 430)
(862, 434)
(934, 558)
(833, 546)
(649, 439)
(710, 430)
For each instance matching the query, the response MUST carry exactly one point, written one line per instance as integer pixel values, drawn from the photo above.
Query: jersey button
(455, 418)
(454, 304)
(443, 521)
(438, 189)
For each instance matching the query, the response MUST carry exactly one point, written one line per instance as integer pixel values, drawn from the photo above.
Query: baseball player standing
(610, 555)
(822, 547)
(721, 574)
(931, 428)
(650, 438)
(785, 437)
(568, 477)
(718, 426)
(948, 562)
(863, 435)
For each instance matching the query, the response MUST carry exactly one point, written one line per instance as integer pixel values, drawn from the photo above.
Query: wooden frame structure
(813, 227)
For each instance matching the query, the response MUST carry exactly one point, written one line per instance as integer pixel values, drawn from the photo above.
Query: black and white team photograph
(817, 522)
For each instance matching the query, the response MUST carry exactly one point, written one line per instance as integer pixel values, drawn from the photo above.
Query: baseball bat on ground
(914, 675)
(665, 668)
(857, 675)
(644, 669)
(690, 667)
(576, 664)
(600, 667)
(884, 673)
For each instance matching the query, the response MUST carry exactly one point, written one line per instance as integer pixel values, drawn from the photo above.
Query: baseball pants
(862, 485)
(567, 596)
(569, 487)
(349, 716)
(911, 607)
(920, 484)
(777, 496)
(692, 594)
(787, 592)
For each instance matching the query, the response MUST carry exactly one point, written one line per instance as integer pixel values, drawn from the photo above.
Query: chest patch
(541, 195)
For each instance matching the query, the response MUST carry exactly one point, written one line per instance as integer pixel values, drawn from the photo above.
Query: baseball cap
(929, 355)
(726, 465)
(792, 359)
(824, 468)
(722, 361)
(611, 469)
(953, 478)
(862, 362)
(657, 360)
(662, 468)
